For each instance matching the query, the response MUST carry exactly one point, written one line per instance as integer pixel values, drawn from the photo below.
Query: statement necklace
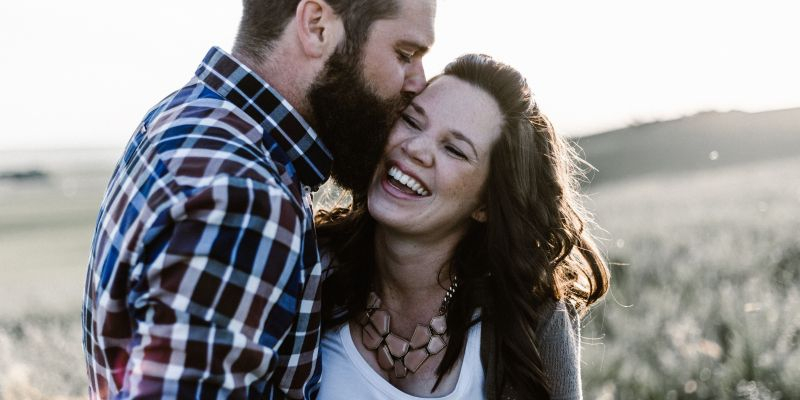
(395, 352)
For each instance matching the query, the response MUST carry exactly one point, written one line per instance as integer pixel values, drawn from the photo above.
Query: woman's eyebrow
(456, 134)
(460, 136)
(418, 109)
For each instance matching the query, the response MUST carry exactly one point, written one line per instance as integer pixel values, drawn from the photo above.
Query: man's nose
(415, 78)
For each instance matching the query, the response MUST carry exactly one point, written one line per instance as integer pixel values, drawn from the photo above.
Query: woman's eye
(410, 121)
(456, 152)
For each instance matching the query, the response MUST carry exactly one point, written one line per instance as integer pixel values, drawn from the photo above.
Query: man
(204, 275)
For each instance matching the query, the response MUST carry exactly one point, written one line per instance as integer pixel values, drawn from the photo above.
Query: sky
(82, 74)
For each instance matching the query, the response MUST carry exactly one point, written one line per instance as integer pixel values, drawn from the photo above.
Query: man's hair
(263, 22)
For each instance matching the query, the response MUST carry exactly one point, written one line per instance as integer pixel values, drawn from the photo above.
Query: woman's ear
(319, 29)
(479, 214)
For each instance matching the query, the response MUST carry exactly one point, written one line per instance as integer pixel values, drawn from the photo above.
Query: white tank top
(347, 376)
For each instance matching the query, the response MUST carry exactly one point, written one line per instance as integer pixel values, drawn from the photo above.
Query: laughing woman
(463, 272)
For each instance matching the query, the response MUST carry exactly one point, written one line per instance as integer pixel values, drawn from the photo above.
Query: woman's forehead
(451, 91)
(460, 106)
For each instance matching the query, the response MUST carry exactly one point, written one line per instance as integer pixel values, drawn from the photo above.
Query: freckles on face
(444, 141)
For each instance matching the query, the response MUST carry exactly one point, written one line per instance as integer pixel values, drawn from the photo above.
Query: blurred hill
(702, 141)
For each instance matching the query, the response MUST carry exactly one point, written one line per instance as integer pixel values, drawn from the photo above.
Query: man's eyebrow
(420, 49)
(460, 136)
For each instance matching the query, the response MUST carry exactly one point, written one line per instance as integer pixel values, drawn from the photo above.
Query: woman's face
(436, 161)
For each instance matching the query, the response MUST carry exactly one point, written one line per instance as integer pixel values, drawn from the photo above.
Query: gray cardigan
(559, 347)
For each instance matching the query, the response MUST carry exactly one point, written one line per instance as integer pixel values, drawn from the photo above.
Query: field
(45, 233)
(705, 289)
(703, 304)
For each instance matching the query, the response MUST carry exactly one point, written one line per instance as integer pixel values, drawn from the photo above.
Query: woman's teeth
(407, 181)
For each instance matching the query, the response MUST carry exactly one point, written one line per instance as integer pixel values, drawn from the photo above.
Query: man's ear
(480, 214)
(319, 29)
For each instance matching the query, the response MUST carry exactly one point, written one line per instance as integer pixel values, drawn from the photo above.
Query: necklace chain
(395, 352)
(448, 296)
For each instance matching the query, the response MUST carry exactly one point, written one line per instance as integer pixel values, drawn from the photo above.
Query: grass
(705, 287)
(41, 356)
(703, 304)
(45, 235)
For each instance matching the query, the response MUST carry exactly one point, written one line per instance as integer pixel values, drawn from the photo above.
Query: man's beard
(353, 121)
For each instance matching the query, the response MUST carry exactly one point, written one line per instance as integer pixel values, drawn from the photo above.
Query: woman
(462, 272)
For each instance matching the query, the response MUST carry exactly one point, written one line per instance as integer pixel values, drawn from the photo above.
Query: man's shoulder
(196, 133)
(197, 110)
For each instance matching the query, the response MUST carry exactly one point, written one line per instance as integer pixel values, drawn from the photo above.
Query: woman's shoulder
(558, 344)
(559, 319)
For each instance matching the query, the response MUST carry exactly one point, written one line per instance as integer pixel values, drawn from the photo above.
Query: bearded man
(204, 275)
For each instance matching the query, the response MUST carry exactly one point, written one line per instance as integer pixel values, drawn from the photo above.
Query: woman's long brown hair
(532, 250)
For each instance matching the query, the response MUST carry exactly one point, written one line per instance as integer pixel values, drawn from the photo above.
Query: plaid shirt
(204, 274)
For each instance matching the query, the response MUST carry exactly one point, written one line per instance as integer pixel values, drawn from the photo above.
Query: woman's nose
(419, 149)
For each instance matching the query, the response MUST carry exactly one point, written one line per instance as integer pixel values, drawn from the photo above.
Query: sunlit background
(82, 73)
(689, 110)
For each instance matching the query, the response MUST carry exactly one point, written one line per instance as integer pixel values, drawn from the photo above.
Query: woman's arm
(559, 347)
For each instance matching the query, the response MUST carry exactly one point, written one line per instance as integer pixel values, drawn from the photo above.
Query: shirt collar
(241, 86)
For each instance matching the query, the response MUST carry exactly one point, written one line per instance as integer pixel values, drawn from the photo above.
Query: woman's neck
(413, 273)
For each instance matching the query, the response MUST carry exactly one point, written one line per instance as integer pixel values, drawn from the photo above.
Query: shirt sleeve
(559, 348)
(218, 289)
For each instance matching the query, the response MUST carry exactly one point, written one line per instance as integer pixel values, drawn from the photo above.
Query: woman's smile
(438, 152)
(406, 183)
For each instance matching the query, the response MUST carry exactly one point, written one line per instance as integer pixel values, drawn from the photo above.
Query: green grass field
(703, 305)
